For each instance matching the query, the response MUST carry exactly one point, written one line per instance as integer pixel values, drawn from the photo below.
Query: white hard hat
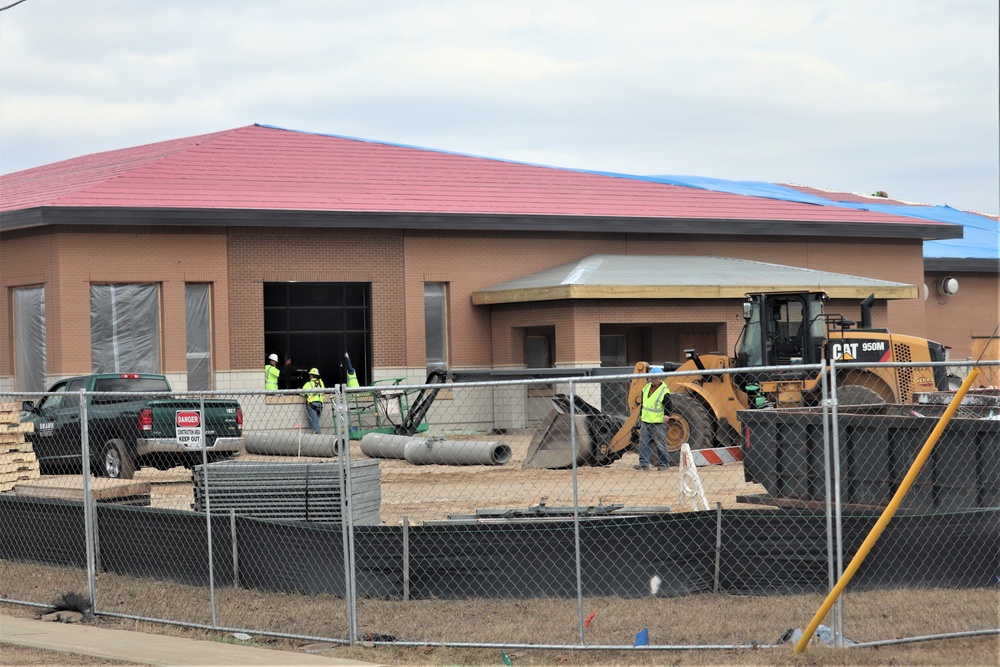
(272, 357)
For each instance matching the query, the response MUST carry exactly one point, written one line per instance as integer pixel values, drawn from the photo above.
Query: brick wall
(973, 311)
(238, 260)
(280, 254)
(68, 259)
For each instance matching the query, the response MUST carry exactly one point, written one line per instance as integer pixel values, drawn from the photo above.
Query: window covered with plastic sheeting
(125, 328)
(29, 338)
(436, 325)
(199, 351)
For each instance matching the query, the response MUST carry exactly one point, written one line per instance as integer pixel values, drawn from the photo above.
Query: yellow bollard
(887, 514)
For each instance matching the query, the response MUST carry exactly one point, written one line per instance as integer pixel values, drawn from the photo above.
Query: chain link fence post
(203, 446)
(89, 510)
(578, 557)
(346, 511)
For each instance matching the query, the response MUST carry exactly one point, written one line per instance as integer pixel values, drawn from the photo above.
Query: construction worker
(272, 373)
(314, 399)
(352, 376)
(656, 404)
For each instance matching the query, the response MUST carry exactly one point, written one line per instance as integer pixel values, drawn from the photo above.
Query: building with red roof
(309, 246)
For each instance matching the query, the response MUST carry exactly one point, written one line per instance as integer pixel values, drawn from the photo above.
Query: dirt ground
(434, 492)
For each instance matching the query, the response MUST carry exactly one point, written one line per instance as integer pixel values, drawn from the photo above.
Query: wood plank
(10, 406)
(26, 427)
(70, 487)
(10, 417)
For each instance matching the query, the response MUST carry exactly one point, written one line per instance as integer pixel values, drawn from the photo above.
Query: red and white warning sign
(189, 431)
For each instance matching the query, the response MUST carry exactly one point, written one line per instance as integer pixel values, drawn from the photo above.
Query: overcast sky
(855, 95)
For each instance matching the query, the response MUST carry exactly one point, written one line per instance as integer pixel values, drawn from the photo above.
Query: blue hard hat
(656, 369)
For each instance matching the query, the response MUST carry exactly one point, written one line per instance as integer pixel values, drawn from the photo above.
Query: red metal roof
(266, 168)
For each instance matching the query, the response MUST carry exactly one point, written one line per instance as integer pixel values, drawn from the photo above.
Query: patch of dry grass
(689, 620)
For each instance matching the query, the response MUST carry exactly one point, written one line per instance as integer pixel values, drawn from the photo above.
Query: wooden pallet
(18, 463)
(10, 480)
(26, 427)
(14, 442)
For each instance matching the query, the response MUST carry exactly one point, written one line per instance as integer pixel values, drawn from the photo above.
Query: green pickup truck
(130, 426)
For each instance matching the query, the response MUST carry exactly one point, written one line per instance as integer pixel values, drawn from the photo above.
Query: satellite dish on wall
(927, 291)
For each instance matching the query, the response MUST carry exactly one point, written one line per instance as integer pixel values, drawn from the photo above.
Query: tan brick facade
(397, 263)
(972, 312)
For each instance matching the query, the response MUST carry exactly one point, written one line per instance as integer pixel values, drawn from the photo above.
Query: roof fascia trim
(563, 292)
(962, 264)
(469, 222)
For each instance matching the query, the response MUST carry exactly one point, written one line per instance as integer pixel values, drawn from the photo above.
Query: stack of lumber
(289, 490)
(102, 489)
(17, 459)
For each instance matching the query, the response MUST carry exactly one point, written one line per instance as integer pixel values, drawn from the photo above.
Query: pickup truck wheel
(689, 423)
(115, 461)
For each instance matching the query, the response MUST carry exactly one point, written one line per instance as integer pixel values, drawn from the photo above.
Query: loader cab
(782, 329)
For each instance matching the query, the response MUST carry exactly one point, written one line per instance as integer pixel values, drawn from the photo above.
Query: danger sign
(189, 432)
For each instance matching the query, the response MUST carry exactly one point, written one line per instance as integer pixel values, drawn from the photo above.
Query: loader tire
(689, 423)
(853, 394)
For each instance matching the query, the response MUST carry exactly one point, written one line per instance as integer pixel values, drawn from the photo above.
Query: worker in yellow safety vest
(352, 376)
(656, 404)
(272, 373)
(314, 399)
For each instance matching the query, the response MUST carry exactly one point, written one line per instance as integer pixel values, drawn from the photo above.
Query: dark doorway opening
(314, 324)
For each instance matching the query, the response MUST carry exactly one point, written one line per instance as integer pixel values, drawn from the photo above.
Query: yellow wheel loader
(781, 329)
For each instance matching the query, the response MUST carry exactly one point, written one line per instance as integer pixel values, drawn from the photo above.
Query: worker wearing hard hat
(272, 373)
(656, 405)
(314, 399)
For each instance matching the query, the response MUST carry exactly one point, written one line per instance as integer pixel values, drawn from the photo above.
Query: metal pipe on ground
(289, 443)
(420, 451)
(384, 445)
(457, 452)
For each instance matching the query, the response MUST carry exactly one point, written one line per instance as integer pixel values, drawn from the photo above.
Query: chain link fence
(504, 513)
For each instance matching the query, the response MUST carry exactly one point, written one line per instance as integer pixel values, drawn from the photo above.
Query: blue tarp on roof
(981, 234)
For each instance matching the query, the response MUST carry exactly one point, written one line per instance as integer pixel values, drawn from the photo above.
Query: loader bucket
(552, 446)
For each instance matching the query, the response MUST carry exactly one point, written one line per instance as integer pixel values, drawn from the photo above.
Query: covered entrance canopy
(680, 277)
(615, 310)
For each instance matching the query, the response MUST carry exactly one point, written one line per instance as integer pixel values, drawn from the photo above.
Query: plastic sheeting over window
(199, 351)
(29, 338)
(125, 328)
(436, 325)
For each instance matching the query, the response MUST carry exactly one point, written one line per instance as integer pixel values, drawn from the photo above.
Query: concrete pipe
(456, 452)
(384, 445)
(290, 443)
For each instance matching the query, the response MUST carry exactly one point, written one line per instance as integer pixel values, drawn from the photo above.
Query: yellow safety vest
(312, 398)
(652, 403)
(352, 379)
(271, 374)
